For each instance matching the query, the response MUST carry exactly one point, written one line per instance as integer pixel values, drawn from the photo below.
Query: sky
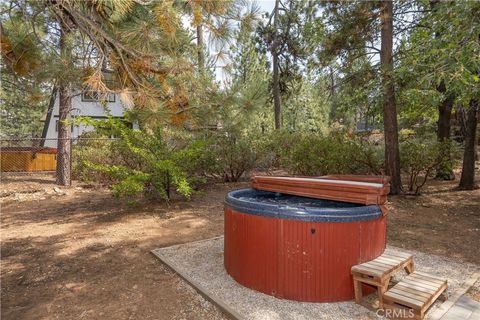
(266, 5)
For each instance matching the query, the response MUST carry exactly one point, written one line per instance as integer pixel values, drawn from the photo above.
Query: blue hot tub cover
(284, 206)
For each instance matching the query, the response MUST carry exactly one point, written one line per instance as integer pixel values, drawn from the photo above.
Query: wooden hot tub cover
(368, 190)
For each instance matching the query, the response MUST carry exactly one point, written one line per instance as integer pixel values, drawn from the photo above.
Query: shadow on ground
(89, 257)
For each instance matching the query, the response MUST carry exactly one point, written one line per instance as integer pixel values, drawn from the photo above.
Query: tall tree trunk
(200, 49)
(276, 93)
(445, 172)
(276, 71)
(444, 114)
(392, 153)
(65, 106)
(467, 181)
(333, 109)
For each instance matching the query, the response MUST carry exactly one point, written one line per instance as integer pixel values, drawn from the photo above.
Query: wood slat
(365, 266)
(429, 277)
(378, 262)
(415, 278)
(372, 270)
(416, 291)
(394, 258)
(382, 268)
(403, 300)
(421, 284)
(420, 299)
(382, 265)
(357, 177)
(417, 295)
(386, 260)
(350, 191)
(397, 255)
(423, 280)
(406, 285)
(367, 272)
(400, 255)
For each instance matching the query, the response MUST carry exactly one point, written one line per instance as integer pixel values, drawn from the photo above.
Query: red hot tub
(296, 247)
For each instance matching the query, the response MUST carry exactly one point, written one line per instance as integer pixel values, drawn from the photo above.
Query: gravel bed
(202, 262)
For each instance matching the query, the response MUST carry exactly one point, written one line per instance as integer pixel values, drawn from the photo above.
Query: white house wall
(96, 110)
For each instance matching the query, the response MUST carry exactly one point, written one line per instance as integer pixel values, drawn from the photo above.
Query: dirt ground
(78, 253)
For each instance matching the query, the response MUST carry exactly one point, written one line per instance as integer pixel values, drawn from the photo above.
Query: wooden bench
(379, 271)
(417, 291)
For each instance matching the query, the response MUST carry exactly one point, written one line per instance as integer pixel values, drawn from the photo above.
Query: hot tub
(299, 248)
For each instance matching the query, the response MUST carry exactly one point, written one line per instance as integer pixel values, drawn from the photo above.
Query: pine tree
(443, 56)
(285, 36)
(356, 27)
(142, 44)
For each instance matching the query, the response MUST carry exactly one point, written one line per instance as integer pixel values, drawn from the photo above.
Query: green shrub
(313, 154)
(419, 160)
(273, 149)
(229, 156)
(196, 158)
(449, 156)
(95, 149)
(136, 162)
(366, 158)
(153, 163)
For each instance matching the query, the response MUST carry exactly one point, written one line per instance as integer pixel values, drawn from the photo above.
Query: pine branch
(97, 34)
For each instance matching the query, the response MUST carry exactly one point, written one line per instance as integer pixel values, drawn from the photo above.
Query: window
(111, 97)
(94, 96)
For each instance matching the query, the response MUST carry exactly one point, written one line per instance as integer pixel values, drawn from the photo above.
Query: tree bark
(333, 109)
(445, 172)
(392, 153)
(444, 114)
(276, 72)
(200, 49)
(276, 93)
(467, 181)
(64, 131)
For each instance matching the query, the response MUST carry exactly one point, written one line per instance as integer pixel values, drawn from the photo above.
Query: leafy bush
(96, 150)
(229, 155)
(272, 149)
(314, 154)
(153, 163)
(136, 162)
(449, 156)
(419, 160)
(366, 158)
(196, 158)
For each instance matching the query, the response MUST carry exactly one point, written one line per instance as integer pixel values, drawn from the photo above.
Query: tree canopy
(241, 68)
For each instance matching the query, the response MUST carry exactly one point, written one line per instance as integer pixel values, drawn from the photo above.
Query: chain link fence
(38, 156)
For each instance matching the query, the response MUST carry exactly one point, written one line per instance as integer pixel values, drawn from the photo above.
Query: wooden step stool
(417, 291)
(379, 271)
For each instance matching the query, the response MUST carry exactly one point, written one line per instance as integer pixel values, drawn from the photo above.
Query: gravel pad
(201, 263)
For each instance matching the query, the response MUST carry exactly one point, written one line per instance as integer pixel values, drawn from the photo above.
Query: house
(85, 103)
